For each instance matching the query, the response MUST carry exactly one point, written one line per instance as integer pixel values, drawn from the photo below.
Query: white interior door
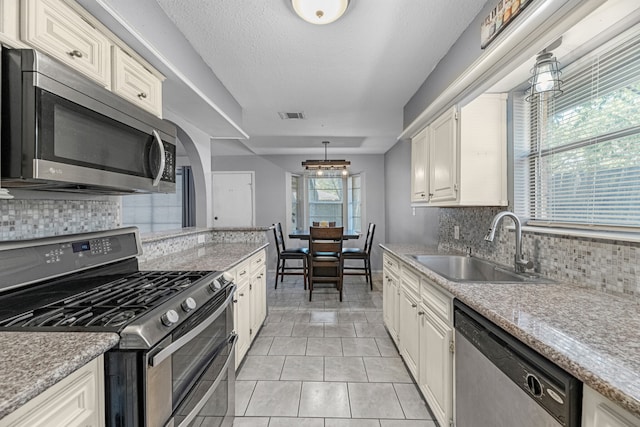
(233, 199)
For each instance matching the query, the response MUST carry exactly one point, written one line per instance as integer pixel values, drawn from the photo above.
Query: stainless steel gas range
(174, 363)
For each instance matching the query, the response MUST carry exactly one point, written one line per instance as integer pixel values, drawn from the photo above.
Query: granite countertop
(213, 256)
(187, 231)
(594, 336)
(32, 362)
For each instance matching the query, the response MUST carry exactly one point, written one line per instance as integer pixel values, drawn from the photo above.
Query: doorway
(233, 199)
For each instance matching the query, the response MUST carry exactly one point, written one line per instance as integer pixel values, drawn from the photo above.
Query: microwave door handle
(233, 339)
(156, 137)
(177, 344)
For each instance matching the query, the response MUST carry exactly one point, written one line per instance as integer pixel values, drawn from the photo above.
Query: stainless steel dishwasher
(500, 382)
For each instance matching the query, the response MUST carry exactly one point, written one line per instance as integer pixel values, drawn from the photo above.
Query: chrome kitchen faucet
(520, 264)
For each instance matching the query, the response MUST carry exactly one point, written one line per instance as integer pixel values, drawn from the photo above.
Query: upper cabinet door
(419, 167)
(57, 30)
(132, 81)
(443, 158)
(9, 23)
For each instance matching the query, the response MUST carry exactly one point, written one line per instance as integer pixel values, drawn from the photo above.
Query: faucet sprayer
(520, 263)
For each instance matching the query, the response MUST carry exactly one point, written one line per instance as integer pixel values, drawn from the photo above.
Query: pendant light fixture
(321, 166)
(546, 74)
(320, 12)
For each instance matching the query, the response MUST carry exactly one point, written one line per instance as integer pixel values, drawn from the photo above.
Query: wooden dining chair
(363, 254)
(325, 257)
(285, 254)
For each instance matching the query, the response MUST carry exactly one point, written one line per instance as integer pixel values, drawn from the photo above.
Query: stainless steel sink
(459, 268)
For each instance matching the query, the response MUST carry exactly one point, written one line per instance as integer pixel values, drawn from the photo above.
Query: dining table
(304, 234)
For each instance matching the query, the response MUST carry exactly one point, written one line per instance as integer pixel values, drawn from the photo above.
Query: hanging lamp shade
(320, 12)
(545, 77)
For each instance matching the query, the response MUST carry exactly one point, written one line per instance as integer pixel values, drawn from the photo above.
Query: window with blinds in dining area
(577, 156)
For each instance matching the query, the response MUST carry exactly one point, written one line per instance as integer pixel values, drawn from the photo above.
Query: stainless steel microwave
(61, 131)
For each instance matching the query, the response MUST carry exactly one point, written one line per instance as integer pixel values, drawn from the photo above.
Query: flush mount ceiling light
(320, 12)
(320, 166)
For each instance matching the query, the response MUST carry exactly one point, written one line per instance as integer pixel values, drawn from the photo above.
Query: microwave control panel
(169, 173)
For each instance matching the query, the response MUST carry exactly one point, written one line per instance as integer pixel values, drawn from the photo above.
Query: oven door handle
(233, 339)
(177, 344)
(158, 177)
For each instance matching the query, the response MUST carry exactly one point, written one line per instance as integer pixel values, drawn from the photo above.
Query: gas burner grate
(112, 304)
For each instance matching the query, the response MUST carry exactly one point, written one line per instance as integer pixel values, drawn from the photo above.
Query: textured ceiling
(351, 78)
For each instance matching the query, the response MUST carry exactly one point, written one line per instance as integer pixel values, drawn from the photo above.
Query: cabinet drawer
(257, 261)
(57, 30)
(410, 279)
(77, 400)
(391, 264)
(242, 273)
(438, 301)
(133, 82)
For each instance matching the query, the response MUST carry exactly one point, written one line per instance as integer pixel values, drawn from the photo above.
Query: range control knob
(188, 304)
(215, 285)
(169, 318)
(228, 277)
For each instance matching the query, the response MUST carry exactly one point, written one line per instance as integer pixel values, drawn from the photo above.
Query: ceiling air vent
(291, 116)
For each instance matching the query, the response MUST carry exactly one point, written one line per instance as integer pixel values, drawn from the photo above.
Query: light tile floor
(326, 363)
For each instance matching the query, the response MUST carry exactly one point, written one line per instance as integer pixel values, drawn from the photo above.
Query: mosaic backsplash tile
(27, 219)
(607, 265)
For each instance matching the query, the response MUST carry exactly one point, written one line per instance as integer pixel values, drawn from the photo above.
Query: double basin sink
(458, 268)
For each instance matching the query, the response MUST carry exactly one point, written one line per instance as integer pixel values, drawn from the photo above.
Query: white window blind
(577, 157)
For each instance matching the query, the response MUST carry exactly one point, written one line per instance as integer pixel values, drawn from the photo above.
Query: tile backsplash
(607, 265)
(27, 219)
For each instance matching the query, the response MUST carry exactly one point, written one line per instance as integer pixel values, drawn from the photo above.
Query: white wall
(402, 225)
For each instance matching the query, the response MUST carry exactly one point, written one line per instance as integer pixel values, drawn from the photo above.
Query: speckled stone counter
(213, 256)
(592, 335)
(31, 362)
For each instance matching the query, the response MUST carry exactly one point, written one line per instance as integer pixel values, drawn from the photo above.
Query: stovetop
(90, 282)
(110, 305)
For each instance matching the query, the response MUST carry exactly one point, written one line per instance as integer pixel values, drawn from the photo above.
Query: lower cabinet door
(436, 364)
(77, 400)
(242, 319)
(409, 331)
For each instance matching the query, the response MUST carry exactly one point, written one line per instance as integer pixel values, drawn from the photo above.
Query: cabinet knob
(142, 95)
(75, 54)
(420, 313)
(414, 305)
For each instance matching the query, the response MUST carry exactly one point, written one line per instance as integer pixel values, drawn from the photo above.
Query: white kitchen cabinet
(409, 330)
(443, 158)
(436, 364)
(258, 291)
(250, 302)
(483, 152)
(242, 321)
(425, 330)
(598, 411)
(391, 296)
(242, 310)
(466, 155)
(419, 167)
(10, 23)
(77, 400)
(54, 28)
(135, 83)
